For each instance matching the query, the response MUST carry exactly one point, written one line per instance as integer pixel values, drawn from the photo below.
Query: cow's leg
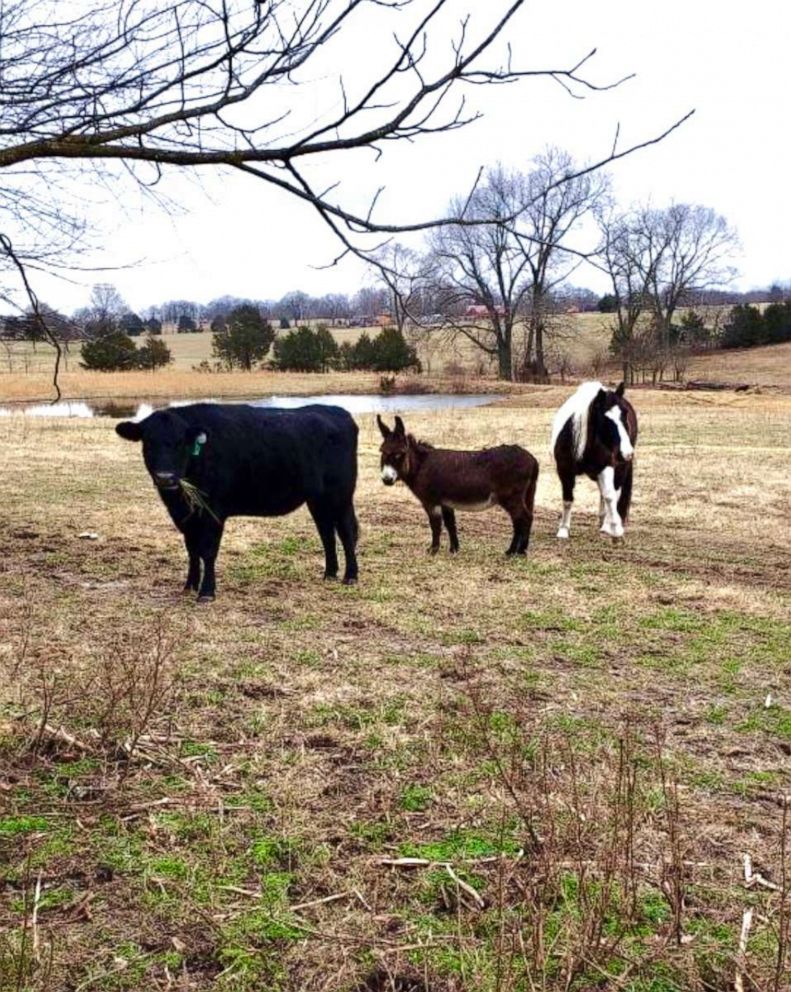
(346, 525)
(567, 481)
(613, 525)
(449, 519)
(208, 545)
(325, 525)
(193, 569)
(435, 520)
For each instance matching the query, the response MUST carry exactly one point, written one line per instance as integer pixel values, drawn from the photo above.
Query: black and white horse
(594, 434)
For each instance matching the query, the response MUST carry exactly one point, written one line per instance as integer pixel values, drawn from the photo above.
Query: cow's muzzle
(166, 480)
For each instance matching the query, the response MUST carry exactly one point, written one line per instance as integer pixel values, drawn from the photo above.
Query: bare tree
(555, 207)
(505, 271)
(659, 260)
(139, 87)
(404, 274)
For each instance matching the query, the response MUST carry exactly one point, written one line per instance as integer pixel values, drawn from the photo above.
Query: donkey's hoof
(330, 576)
(563, 533)
(350, 580)
(206, 598)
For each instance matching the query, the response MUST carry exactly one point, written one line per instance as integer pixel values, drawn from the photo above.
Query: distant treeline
(747, 326)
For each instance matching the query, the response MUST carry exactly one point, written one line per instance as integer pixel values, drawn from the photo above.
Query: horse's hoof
(563, 533)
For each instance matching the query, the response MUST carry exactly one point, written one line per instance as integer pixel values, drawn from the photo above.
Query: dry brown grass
(443, 708)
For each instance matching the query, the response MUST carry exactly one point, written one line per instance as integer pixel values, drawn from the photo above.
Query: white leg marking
(612, 524)
(565, 521)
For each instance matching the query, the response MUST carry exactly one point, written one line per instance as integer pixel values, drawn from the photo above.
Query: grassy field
(465, 773)
(26, 374)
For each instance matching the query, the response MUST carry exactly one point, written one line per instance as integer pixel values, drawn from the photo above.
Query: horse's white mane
(575, 409)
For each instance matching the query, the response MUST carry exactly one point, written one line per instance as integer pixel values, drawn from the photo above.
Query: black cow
(240, 460)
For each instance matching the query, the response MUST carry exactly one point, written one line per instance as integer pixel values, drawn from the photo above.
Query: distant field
(25, 371)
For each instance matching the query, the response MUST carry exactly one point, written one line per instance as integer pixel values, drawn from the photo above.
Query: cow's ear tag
(200, 440)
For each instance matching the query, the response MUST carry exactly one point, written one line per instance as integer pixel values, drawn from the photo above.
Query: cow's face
(169, 444)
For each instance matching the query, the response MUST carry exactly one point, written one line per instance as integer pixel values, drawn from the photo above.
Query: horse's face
(611, 424)
(394, 451)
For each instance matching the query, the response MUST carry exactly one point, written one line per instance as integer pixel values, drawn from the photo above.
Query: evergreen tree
(111, 352)
(391, 353)
(153, 354)
(245, 340)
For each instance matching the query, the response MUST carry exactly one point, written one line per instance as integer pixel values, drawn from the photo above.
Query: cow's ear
(399, 427)
(384, 429)
(197, 438)
(129, 430)
(620, 389)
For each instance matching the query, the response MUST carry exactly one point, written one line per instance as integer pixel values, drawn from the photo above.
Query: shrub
(243, 338)
(112, 352)
(303, 350)
(391, 353)
(154, 354)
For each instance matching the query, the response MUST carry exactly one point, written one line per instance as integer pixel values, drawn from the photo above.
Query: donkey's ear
(399, 426)
(620, 389)
(386, 432)
(129, 430)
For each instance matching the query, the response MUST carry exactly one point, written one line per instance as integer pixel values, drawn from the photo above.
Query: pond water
(354, 403)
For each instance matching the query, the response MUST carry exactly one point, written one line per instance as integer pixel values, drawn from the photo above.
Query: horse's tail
(626, 493)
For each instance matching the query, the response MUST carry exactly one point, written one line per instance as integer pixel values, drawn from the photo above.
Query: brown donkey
(445, 481)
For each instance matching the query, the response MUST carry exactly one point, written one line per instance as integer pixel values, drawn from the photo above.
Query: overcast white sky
(728, 61)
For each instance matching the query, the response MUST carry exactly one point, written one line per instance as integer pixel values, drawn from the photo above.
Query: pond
(354, 403)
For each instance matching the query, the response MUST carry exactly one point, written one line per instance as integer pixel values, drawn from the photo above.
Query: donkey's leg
(521, 520)
(567, 481)
(529, 502)
(449, 519)
(613, 525)
(435, 520)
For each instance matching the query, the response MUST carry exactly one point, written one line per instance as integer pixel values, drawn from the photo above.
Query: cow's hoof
(350, 580)
(563, 533)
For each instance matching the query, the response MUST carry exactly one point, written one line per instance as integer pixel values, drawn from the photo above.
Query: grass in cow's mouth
(196, 499)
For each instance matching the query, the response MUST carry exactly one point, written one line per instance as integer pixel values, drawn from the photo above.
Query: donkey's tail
(530, 488)
(625, 499)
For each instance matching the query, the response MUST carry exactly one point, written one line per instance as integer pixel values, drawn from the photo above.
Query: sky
(729, 62)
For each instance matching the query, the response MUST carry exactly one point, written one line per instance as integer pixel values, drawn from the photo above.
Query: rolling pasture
(463, 773)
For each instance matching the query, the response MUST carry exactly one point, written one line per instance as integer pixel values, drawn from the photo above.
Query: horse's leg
(449, 519)
(435, 520)
(613, 525)
(567, 481)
